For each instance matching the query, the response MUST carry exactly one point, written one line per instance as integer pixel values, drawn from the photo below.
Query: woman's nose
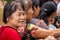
(22, 17)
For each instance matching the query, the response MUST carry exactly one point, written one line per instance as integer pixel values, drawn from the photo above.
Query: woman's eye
(19, 14)
(23, 13)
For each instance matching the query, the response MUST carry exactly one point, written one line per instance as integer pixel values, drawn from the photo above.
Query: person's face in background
(54, 15)
(29, 12)
(51, 18)
(36, 11)
(17, 19)
(36, 8)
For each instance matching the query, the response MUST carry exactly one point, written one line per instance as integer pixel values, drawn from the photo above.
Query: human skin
(43, 33)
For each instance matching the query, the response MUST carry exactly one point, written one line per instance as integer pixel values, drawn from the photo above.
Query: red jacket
(9, 34)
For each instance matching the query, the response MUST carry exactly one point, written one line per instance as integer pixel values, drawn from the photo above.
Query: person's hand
(33, 33)
(32, 27)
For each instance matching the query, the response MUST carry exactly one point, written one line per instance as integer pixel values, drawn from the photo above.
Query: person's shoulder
(5, 30)
(43, 24)
(11, 33)
(8, 29)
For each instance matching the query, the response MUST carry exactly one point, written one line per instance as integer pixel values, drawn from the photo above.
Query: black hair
(57, 19)
(9, 8)
(35, 3)
(42, 2)
(47, 9)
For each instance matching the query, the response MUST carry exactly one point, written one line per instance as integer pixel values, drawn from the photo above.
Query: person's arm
(55, 33)
(42, 33)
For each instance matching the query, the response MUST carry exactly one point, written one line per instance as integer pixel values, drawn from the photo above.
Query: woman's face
(53, 15)
(29, 14)
(36, 11)
(18, 18)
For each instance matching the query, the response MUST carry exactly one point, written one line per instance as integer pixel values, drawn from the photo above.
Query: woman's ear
(7, 19)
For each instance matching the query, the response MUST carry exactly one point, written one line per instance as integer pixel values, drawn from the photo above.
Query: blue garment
(52, 27)
(34, 20)
(42, 25)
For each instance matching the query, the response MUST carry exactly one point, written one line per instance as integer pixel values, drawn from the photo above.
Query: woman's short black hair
(35, 3)
(47, 9)
(10, 8)
(42, 2)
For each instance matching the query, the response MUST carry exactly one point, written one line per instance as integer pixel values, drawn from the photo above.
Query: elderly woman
(13, 16)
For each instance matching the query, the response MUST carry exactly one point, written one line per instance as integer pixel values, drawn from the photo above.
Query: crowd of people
(30, 20)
